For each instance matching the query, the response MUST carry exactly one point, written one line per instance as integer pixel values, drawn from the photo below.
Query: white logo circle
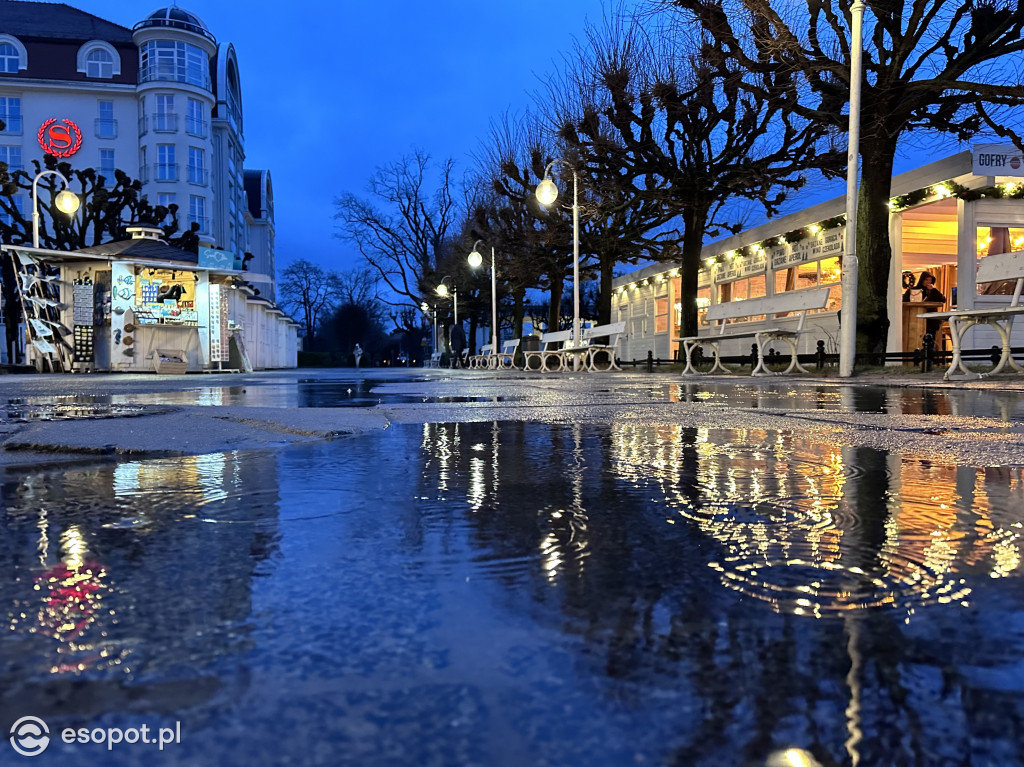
(30, 736)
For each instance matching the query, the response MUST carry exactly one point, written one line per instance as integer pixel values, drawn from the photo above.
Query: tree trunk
(471, 341)
(695, 222)
(555, 305)
(874, 250)
(604, 292)
(518, 310)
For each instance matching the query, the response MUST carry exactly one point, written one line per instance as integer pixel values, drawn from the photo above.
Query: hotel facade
(161, 102)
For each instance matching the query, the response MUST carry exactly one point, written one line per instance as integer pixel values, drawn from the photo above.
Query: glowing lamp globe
(424, 307)
(442, 290)
(66, 201)
(547, 192)
(475, 259)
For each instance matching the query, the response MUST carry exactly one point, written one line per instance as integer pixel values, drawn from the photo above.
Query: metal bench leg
(688, 348)
(718, 359)
(1004, 354)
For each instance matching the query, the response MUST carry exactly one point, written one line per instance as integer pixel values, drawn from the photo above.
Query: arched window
(99, 59)
(99, 64)
(9, 58)
(13, 57)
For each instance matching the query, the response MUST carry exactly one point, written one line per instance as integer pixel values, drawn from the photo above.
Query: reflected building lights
(783, 513)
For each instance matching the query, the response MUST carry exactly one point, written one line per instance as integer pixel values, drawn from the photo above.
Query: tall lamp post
(851, 265)
(547, 193)
(66, 201)
(475, 259)
(433, 314)
(443, 290)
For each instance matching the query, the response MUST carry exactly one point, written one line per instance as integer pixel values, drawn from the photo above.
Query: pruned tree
(533, 244)
(668, 120)
(107, 207)
(403, 227)
(928, 64)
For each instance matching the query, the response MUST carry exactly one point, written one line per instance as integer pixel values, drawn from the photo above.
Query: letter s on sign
(61, 139)
(60, 136)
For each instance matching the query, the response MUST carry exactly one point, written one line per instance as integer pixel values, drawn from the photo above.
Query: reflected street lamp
(66, 201)
(475, 259)
(848, 316)
(547, 193)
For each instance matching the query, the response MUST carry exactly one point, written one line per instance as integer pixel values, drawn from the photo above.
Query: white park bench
(551, 349)
(797, 301)
(434, 361)
(506, 359)
(994, 268)
(592, 351)
(484, 359)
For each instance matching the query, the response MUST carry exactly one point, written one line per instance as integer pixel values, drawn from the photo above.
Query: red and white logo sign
(60, 138)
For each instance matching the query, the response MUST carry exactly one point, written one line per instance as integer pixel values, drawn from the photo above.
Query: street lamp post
(66, 201)
(547, 193)
(442, 290)
(848, 318)
(432, 310)
(475, 259)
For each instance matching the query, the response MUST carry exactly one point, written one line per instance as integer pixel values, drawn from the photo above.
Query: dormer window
(99, 64)
(9, 58)
(99, 60)
(13, 57)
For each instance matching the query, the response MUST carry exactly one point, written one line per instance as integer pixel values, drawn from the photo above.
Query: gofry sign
(61, 138)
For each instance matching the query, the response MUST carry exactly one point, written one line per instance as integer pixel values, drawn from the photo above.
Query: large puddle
(521, 594)
(340, 391)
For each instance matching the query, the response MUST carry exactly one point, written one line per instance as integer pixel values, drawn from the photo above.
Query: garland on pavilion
(1007, 191)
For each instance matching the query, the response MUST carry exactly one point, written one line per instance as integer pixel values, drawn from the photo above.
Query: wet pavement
(473, 569)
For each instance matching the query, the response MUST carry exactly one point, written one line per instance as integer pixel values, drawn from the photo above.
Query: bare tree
(667, 122)
(929, 64)
(403, 227)
(306, 289)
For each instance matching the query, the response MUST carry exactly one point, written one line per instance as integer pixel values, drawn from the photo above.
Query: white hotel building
(160, 101)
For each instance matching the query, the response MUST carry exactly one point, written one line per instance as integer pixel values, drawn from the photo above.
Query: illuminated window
(703, 302)
(661, 315)
(992, 241)
(807, 275)
(829, 271)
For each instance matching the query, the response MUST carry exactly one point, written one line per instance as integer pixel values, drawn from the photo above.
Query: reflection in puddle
(510, 593)
(986, 403)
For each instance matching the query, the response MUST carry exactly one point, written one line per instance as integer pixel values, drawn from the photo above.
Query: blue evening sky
(331, 90)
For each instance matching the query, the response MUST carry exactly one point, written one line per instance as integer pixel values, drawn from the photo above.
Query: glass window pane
(807, 275)
(831, 272)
